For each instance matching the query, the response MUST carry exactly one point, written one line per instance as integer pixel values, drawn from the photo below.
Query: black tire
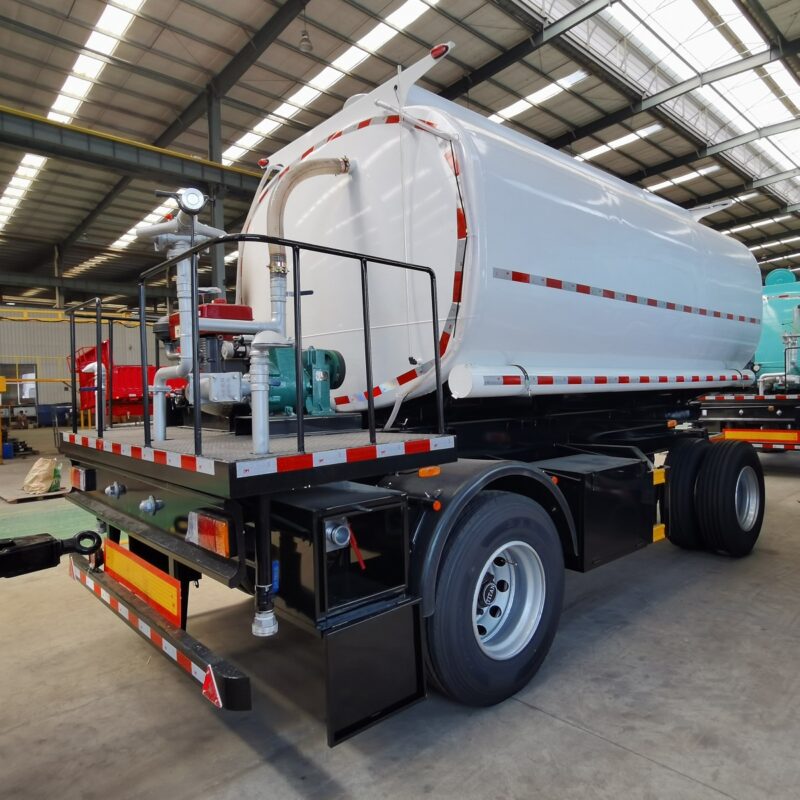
(684, 462)
(726, 525)
(462, 669)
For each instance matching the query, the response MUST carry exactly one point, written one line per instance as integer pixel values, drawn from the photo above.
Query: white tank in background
(553, 276)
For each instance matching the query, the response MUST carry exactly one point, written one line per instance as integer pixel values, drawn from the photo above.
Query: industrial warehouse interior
(399, 398)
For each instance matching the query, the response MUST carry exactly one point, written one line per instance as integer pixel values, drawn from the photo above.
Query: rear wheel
(498, 599)
(684, 462)
(730, 498)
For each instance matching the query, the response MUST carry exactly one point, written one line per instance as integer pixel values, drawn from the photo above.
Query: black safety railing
(104, 395)
(296, 247)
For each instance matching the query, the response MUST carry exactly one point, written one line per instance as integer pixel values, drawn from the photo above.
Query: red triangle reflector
(210, 690)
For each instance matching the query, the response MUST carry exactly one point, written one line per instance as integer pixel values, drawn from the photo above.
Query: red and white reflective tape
(452, 315)
(611, 294)
(166, 458)
(710, 397)
(597, 380)
(350, 455)
(181, 659)
(391, 119)
(770, 446)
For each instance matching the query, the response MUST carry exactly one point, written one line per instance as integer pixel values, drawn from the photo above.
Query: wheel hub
(508, 600)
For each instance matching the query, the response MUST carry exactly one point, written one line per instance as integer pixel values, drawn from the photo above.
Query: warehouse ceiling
(694, 100)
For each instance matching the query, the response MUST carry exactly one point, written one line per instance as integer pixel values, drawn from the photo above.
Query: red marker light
(263, 163)
(439, 51)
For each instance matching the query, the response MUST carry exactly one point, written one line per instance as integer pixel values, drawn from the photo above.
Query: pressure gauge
(191, 201)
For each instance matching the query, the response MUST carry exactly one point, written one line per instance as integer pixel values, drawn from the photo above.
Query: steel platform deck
(228, 467)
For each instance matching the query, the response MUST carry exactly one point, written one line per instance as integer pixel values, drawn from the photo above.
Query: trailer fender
(454, 487)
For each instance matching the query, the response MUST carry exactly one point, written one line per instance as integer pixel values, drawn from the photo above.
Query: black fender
(454, 487)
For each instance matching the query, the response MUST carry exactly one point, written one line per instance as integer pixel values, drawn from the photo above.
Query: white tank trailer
(554, 277)
(580, 319)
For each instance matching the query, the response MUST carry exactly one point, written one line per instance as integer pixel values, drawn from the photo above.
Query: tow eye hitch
(41, 551)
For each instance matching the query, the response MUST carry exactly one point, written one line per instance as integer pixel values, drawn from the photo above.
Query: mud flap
(374, 668)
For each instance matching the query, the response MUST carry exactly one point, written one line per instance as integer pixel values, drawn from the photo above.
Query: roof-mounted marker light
(439, 50)
(263, 163)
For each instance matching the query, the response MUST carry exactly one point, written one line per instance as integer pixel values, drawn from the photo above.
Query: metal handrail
(296, 247)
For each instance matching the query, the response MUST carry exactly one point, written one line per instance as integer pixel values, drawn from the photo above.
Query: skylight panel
(374, 39)
(689, 176)
(76, 86)
(642, 133)
(538, 97)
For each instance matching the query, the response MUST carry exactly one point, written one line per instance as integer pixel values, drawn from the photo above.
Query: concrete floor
(674, 675)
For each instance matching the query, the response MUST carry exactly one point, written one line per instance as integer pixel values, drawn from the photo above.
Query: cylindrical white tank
(553, 277)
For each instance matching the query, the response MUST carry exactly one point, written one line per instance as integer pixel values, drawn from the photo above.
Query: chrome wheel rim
(508, 600)
(748, 498)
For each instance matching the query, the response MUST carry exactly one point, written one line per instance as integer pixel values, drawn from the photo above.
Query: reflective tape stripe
(611, 294)
(598, 380)
(711, 397)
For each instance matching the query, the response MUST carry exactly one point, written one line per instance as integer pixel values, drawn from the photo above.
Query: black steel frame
(296, 247)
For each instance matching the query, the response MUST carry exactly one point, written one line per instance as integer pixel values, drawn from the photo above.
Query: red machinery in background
(123, 393)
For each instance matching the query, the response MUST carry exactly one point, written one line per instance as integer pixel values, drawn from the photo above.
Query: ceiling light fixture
(306, 46)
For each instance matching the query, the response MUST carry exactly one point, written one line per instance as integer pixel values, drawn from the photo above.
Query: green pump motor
(323, 370)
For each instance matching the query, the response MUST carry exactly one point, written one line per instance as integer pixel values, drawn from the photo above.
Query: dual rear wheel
(715, 496)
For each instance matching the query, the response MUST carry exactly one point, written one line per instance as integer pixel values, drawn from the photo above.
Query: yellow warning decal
(156, 588)
(659, 532)
(659, 476)
(756, 435)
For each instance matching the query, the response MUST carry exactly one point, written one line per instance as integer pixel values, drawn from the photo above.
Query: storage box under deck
(228, 468)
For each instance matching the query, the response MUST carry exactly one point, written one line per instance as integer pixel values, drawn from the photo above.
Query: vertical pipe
(217, 208)
(367, 350)
(198, 411)
(110, 379)
(73, 390)
(298, 351)
(143, 361)
(437, 357)
(99, 400)
(157, 349)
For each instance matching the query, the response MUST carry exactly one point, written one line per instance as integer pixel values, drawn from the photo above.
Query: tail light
(82, 479)
(209, 532)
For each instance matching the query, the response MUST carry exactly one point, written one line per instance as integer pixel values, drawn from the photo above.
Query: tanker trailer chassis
(413, 559)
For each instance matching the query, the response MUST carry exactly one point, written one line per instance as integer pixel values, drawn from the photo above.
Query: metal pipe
(259, 396)
(437, 357)
(239, 325)
(367, 350)
(187, 321)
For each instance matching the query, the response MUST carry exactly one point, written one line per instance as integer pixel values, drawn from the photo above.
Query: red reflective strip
(407, 376)
(717, 314)
(631, 298)
(453, 162)
(644, 379)
(160, 457)
(189, 462)
(136, 452)
(608, 294)
(458, 279)
(443, 342)
(573, 379)
(671, 306)
(512, 380)
(116, 448)
(184, 661)
(307, 153)
(393, 119)
(461, 223)
(417, 446)
(553, 283)
(98, 444)
(663, 379)
(156, 638)
(362, 453)
(695, 379)
(652, 302)
(520, 277)
(545, 380)
(334, 136)
(114, 604)
(686, 309)
(582, 288)
(600, 379)
(133, 619)
(84, 441)
(364, 123)
(342, 400)
(291, 463)
(703, 312)
(680, 378)
(376, 392)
